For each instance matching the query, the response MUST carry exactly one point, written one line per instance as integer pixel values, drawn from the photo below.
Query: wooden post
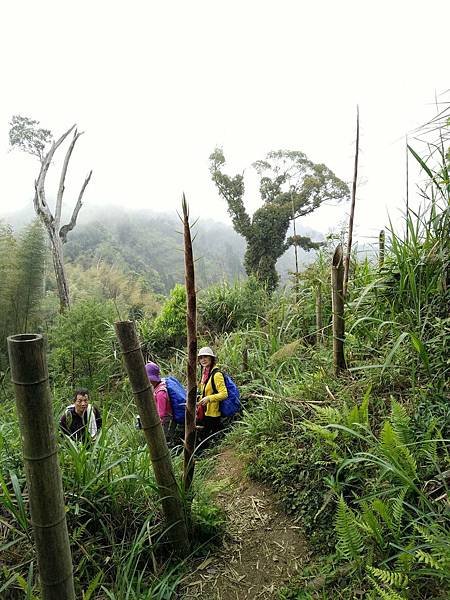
(319, 324)
(40, 453)
(154, 435)
(381, 243)
(337, 286)
(191, 321)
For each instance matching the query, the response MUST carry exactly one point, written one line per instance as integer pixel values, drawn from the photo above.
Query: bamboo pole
(40, 453)
(295, 248)
(319, 324)
(154, 435)
(337, 285)
(352, 209)
(191, 321)
(381, 244)
(407, 189)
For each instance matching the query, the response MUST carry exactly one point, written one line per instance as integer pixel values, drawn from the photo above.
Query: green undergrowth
(118, 542)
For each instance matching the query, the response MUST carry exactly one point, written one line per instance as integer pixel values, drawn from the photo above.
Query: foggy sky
(156, 86)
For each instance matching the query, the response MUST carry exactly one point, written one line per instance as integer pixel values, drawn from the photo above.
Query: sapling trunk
(154, 435)
(337, 286)
(352, 209)
(191, 320)
(319, 325)
(40, 452)
(381, 243)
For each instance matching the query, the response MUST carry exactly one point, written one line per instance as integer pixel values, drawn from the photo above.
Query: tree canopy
(291, 186)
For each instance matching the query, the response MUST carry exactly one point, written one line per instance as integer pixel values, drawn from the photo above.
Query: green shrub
(227, 307)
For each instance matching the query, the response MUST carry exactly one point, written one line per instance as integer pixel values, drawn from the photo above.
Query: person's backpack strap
(211, 377)
(69, 416)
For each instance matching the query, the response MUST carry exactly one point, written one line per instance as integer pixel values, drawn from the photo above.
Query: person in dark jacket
(81, 420)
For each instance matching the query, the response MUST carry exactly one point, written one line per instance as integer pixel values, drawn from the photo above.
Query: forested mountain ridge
(149, 245)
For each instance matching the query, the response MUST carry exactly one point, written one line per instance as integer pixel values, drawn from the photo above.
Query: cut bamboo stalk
(319, 324)
(191, 321)
(156, 441)
(337, 285)
(40, 452)
(352, 209)
(381, 244)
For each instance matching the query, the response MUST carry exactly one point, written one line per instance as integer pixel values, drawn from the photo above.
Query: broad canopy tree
(26, 135)
(291, 186)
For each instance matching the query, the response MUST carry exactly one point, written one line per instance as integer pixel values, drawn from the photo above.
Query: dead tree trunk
(337, 286)
(191, 320)
(40, 452)
(57, 233)
(352, 209)
(156, 441)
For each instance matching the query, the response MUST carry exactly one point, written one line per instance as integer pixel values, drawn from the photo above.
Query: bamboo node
(43, 457)
(29, 382)
(50, 525)
(136, 392)
(132, 350)
(162, 457)
(58, 581)
(150, 427)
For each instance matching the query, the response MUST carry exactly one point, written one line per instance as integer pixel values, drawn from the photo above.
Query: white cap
(206, 351)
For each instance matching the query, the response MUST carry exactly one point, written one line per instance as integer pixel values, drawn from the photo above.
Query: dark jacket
(75, 426)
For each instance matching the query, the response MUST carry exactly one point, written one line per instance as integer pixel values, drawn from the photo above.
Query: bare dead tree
(191, 320)
(26, 136)
(352, 209)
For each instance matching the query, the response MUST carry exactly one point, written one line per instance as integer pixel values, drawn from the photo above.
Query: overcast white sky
(156, 85)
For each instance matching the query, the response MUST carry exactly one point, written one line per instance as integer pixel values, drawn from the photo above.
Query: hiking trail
(262, 547)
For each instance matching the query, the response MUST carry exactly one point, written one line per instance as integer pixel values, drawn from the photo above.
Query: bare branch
(40, 205)
(62, 179)
(40, 184)
(66, 228)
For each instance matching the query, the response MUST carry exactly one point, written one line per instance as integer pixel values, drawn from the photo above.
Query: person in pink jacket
(162, 402)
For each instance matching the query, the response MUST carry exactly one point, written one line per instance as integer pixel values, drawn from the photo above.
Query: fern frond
(328, 414)
(384, 510)
(406, 560)
(350, 542)
(386, 594)
(397, 511)
(428, 559)
(320, 431)
(371, 523)
(395, 451)
(400, 421)
(390, 578)
(352, 417)
(364, 408)
(426, 534)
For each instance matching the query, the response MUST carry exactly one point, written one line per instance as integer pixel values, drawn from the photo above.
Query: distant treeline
(150, 245)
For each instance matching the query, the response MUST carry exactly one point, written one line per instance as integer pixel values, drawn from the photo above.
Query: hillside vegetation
(360, 461)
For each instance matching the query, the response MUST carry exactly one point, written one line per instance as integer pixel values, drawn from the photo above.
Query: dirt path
(262, 549)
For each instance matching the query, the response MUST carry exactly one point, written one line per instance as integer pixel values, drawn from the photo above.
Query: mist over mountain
(150, 244)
